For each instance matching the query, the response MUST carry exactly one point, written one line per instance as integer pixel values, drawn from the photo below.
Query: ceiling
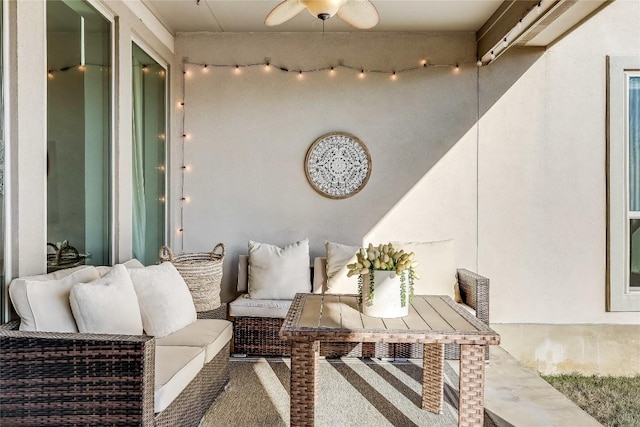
(248, 16)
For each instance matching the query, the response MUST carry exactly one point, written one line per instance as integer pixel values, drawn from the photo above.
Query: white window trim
(619, 295)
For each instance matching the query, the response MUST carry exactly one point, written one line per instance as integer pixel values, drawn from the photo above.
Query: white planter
(386, 294)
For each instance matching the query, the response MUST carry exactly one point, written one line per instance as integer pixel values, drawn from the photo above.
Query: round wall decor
(338, 165)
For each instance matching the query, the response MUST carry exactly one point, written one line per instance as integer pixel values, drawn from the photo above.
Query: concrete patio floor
(517, 396)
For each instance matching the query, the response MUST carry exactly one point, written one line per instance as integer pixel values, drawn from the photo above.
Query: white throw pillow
(42, 302)
(164, 298)
(108, 305)
(278, 273)
(437, 266)
(338, 256)
(132, 263)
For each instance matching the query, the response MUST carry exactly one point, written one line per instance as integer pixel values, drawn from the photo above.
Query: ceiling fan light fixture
(321, 8)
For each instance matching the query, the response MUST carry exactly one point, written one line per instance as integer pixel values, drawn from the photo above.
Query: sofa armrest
(474, 290)
(76, 379)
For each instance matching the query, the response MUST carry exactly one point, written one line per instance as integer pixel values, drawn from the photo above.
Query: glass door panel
(149, 148)
(78, 135)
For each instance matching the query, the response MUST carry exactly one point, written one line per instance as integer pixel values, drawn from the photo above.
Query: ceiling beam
(501, 23)
(531, 23)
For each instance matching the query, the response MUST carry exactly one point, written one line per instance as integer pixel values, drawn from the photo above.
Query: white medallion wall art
(338, 165)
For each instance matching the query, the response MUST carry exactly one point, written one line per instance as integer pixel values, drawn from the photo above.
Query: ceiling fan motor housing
(323, 9)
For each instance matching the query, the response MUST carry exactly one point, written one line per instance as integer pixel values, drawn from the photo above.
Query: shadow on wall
(249, 134)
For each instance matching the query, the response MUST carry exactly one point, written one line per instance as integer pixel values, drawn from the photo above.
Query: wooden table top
(431, 319)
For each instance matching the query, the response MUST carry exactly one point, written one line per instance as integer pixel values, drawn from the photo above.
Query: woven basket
(202, 272)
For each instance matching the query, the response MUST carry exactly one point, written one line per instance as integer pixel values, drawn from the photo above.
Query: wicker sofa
(50, 378)
(257, 323)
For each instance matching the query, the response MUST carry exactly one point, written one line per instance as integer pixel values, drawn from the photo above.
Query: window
(149, 148)
(78, 134)
(623, 237)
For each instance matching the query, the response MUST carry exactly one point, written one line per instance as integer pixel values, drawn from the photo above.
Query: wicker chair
(66, 379)
(259, 336)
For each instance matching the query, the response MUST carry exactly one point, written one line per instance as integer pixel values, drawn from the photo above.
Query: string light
(505, 43)
(519, 23)
(479, 63)
(394, 76)
(145, 69)
(49, 74)
(300, 76)
(205, 68)
(492, 56)
(361, 71)
(183, 160)
(539, 7)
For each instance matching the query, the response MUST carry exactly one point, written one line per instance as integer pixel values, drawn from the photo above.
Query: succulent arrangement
(384, 258)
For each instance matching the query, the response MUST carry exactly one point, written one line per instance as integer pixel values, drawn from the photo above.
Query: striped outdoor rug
(351, 392)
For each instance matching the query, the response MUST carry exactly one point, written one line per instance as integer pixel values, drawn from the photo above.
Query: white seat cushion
(107, 305)
(42, 302)
(176, 367)
(468, 308)
(208, 334)
(243, 306)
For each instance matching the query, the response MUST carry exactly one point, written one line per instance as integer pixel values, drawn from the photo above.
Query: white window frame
(620, 297)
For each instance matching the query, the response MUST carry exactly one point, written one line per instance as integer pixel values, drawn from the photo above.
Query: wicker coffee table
(432, 321)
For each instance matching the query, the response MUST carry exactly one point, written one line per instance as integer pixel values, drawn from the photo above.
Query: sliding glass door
(78, 135)
(149, 156)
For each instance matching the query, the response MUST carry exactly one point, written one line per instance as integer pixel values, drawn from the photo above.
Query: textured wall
(249, 134)
(542, 196)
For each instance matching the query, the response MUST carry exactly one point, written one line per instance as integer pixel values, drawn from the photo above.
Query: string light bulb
(539, 7)
(479, 63)
(50, 74)
(361, 75)
(237, 69)
(519, 23)
(205, 68)
(394, 76)
(145, 69)
(267, 67)
(81, 67)
(300, 76)
(505, 43)
(332, 71)
(492, 56)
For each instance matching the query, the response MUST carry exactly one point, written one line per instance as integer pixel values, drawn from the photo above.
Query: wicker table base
(432, 321)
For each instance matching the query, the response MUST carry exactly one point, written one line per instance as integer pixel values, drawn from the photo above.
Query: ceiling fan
(361, 14)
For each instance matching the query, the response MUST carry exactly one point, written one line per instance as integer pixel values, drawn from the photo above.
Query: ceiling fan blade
(361, 14)
(283, 12)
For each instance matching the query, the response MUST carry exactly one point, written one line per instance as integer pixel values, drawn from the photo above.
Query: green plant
(384, 258)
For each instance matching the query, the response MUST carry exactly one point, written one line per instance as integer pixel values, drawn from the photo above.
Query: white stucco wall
(542, 193)
(538, 219)
(249, 134)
